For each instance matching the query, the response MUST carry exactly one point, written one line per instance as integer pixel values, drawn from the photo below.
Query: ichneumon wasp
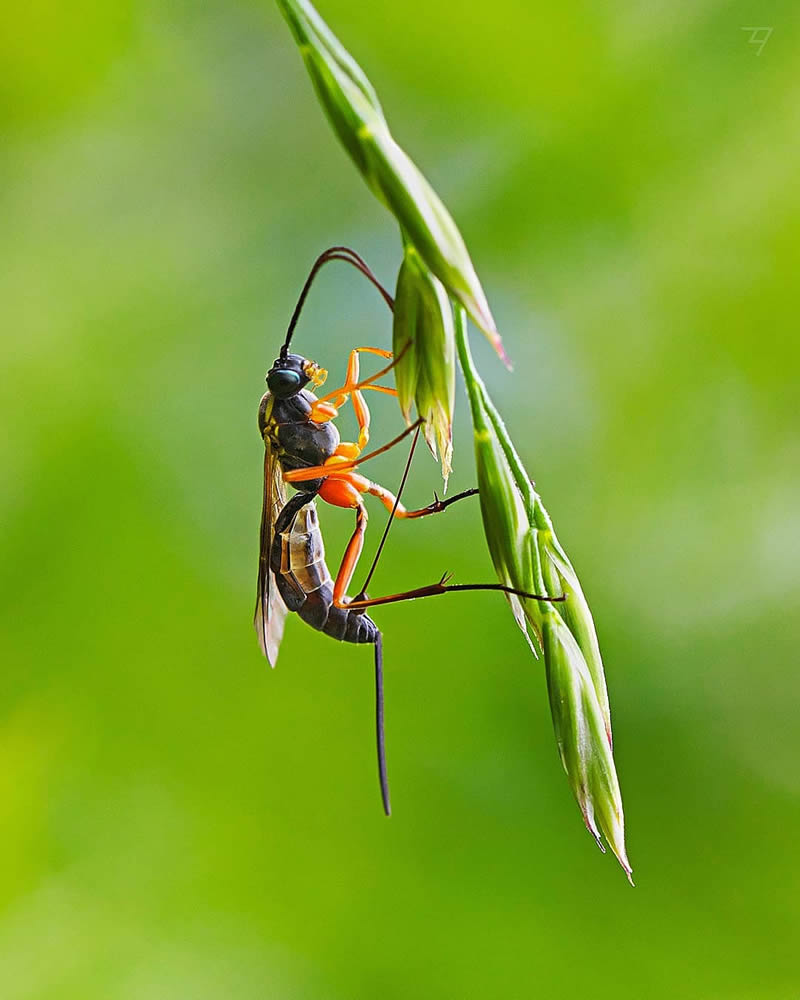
(304, 450)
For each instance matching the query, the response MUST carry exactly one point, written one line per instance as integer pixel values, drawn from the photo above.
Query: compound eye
(283, 381)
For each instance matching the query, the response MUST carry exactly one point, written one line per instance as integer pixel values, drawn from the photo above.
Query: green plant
(437, 286)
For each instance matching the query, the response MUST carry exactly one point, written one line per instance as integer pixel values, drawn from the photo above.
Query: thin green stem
(472, 379)
(481, 405)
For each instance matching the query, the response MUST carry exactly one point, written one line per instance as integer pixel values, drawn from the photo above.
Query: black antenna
(332, 253)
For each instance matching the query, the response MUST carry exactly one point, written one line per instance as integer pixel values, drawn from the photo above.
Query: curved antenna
(332, 253)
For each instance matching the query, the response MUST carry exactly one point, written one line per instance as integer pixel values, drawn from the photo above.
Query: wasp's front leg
(327, 408)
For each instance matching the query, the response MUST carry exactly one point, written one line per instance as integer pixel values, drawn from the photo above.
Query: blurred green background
(176, 820)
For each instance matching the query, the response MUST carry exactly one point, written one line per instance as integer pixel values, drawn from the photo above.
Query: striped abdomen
(304, 581)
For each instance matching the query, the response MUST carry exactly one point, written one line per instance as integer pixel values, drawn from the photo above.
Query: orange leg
(345, 491)
(396, 509)
(339, 396)
(387, 389)
(342, 462)
(327, 407)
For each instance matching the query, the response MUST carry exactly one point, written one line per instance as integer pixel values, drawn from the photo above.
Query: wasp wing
(270, 610)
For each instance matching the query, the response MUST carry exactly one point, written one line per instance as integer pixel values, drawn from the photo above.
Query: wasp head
(291, 373)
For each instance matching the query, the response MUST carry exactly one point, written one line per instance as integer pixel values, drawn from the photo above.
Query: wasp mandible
(304, 450)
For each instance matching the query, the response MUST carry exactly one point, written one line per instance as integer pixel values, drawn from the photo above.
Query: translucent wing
(270, 610)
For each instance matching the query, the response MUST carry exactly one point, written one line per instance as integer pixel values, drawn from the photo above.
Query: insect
(303, 449)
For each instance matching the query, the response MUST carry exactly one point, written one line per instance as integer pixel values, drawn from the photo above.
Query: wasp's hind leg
(345, 491)
(443, 586)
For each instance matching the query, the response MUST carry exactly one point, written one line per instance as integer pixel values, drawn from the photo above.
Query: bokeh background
(178, 821)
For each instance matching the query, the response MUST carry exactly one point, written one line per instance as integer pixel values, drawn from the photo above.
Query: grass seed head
(583, 744)
(576, 613)
(424, 345)
(352, 106)
(528, 556)
(522, 542)
(505, 521)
